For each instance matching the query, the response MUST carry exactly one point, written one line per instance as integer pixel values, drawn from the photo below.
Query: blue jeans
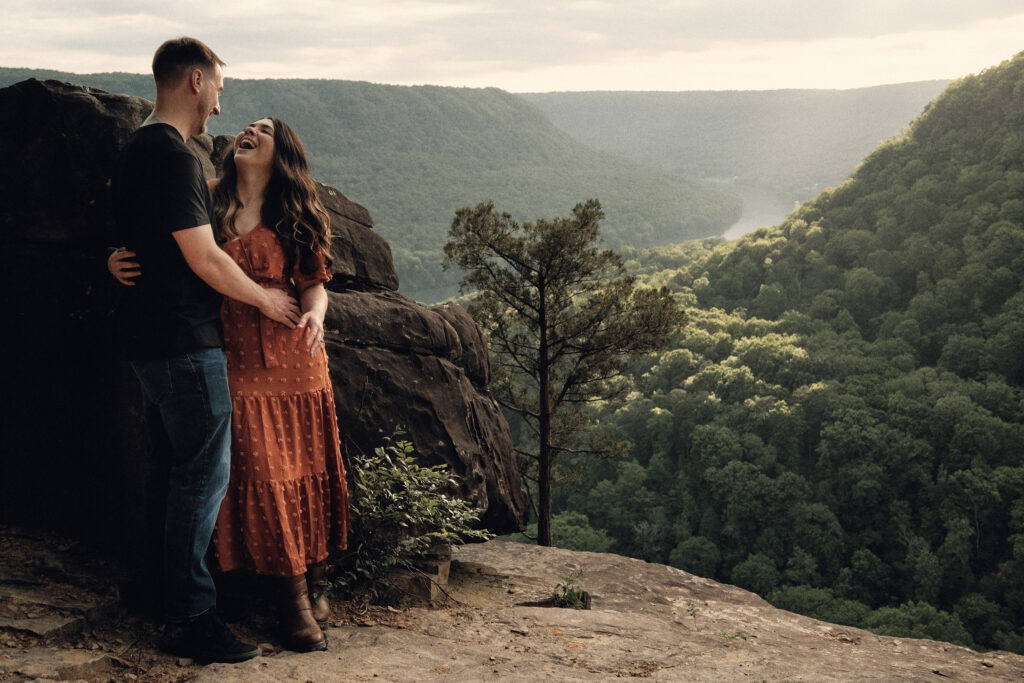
(188, 417)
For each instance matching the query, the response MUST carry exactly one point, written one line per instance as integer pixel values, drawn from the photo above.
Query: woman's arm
(313, 300)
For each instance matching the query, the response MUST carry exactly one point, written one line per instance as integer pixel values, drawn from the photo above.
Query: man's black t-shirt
(158, 189)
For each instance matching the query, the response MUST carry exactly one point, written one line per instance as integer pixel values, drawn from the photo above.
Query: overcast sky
(533, 46)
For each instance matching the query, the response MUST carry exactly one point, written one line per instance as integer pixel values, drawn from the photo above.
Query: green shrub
(399, 510)
(819, 603)
(569, 593)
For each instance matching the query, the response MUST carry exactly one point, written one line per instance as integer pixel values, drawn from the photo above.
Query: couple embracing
(223, 324)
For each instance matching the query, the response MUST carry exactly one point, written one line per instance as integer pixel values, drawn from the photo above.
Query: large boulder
(72, 422)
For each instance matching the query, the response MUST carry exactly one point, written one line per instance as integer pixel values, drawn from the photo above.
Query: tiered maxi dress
(287, 502)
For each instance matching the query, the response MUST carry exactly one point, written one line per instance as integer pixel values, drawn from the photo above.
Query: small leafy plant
(399, 510)
(735, 636)
(569, 593)
(693, 611)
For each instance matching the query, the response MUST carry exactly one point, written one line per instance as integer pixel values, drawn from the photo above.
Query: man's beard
(202, 117)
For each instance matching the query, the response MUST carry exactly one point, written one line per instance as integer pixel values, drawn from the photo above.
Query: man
(169, 324)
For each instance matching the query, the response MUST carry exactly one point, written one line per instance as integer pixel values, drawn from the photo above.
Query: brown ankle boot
(300, 630)
(317, 584)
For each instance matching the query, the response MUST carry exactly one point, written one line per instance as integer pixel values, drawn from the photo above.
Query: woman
(287, 502)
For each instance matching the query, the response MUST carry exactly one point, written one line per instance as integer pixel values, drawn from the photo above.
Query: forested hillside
(776, 146)
(414, 155)
(841, 427)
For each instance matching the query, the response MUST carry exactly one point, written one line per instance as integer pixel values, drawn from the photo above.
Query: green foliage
(819, 603)
(696, 555)
(693, 611)
(918, 620)
(570, 530)
(563, 320)
(757, 573)
(867, 580)
(840, 427)
(569, 592)
(399, 510)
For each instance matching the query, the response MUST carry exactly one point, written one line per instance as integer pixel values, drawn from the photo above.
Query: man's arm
(217, 269)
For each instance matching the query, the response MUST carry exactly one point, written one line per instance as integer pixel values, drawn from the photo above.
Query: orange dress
(287, 502)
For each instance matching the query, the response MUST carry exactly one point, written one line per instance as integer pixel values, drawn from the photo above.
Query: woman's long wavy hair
(291, 207)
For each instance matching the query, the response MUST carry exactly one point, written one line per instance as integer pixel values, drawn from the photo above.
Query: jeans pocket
(209, 372)
(188, 383)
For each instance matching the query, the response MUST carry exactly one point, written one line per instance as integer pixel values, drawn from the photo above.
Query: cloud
(531, 44)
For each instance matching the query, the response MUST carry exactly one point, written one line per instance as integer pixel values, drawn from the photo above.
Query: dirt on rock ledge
(647, 621)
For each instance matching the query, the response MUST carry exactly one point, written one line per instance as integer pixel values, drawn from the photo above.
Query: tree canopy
(841, 427)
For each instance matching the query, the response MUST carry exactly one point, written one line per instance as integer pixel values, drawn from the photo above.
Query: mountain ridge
(793, 123)
(413, 155)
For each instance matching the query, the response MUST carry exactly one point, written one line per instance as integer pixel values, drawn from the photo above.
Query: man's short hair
(179, 56)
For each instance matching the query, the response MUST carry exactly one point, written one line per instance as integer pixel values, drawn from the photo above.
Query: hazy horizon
(514, 92)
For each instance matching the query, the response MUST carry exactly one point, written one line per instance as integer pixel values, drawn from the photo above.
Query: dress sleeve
(320, 274)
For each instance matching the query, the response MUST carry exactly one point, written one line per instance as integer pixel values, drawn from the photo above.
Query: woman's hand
(121, 268)
(314, 326)
(314, 310)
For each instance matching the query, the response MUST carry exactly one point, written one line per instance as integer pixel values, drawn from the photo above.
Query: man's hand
(217, 269)
(280, 307)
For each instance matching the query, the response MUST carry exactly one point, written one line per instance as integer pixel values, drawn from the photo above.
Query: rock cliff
(71, 412)
(647, 621)
(58, 621)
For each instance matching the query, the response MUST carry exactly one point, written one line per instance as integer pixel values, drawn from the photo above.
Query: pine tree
(562, 319)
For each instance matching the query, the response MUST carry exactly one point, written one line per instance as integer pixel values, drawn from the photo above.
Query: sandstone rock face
(362, 259)
(474, 359)
(647, 621)
(399, 365)
(72, 413)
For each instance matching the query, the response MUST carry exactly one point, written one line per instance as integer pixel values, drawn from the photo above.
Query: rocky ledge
(646, 621)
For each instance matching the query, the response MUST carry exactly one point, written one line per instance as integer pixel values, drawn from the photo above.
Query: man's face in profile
(209, 97)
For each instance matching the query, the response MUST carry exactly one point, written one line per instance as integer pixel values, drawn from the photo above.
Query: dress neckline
(259, 224)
